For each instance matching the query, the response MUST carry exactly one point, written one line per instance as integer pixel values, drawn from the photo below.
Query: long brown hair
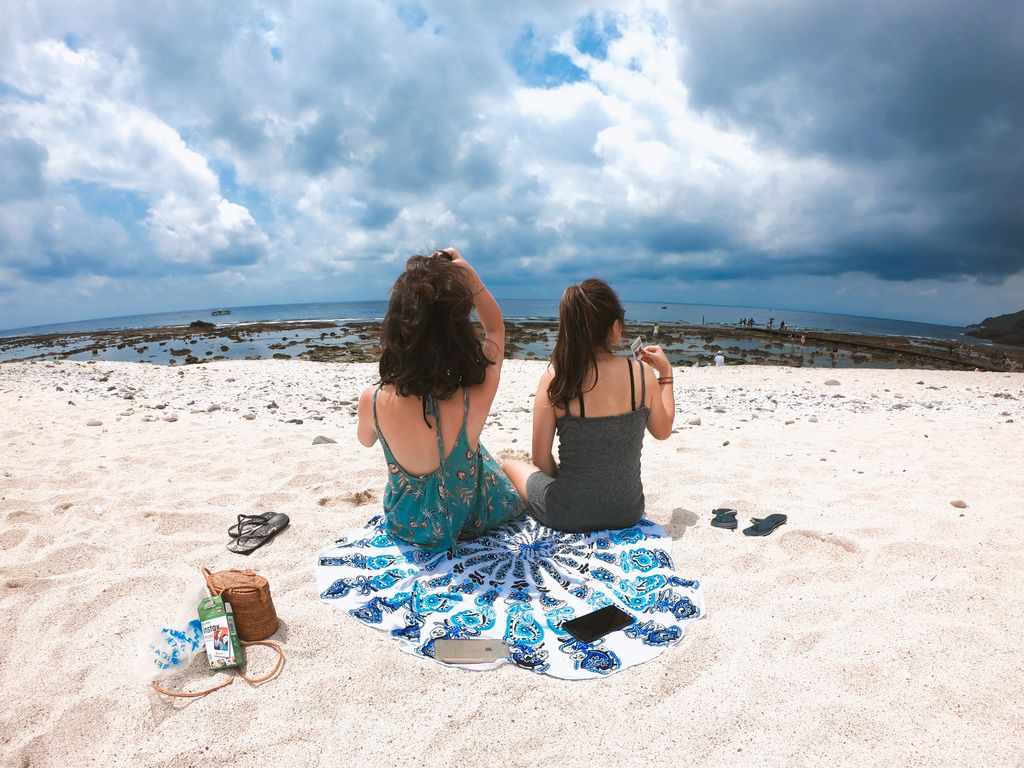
(585, 319)
(428, 344)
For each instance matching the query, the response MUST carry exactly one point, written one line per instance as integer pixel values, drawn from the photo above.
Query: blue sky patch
(412, 15)
(122, 205)
(540, 67)
(593, 36)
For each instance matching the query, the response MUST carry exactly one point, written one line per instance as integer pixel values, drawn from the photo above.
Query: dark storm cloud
(924, 98)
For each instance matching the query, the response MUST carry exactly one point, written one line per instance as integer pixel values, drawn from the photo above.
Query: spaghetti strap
(632, 386)
(465, 400)
(583, 409)
(643, 385)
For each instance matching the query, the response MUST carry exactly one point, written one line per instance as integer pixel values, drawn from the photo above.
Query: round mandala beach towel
(519, 583)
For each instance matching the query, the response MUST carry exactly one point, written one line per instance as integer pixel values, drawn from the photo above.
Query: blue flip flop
(764, 526)
(724, 518)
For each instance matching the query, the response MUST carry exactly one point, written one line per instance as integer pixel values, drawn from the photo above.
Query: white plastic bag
(173, 647)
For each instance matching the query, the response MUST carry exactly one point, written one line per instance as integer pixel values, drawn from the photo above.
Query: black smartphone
(591, 626)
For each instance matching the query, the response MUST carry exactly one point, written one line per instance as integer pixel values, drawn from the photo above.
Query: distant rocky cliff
(1005, 329)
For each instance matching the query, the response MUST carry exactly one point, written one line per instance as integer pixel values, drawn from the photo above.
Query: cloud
(307, 149)
(80, 146)
(923, 100)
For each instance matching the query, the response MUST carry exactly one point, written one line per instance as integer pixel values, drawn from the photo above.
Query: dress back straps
(428, 401)
(430, 404)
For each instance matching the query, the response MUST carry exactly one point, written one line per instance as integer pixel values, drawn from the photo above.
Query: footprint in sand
(22, 516)
(815, 544)
(12, 538)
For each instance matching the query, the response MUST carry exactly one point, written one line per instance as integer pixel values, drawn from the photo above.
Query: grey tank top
(598, 484)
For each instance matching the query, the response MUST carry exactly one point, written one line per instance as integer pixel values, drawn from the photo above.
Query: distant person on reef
(803, 339)
(835, 355)
(719, 358)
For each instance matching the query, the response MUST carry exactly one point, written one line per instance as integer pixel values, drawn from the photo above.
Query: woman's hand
(472, 279)
(454, 256)
(655, 357)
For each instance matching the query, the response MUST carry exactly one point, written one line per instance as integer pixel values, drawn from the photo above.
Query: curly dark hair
(428, 344)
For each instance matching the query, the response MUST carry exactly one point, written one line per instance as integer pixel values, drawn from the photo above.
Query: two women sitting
(438, 380)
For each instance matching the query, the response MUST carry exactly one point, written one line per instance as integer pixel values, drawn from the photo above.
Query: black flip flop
(248, 523)
(250, 542)
(762, 527)
(724, 518)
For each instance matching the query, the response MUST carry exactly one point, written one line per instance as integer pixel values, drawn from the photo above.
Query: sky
(853, 157)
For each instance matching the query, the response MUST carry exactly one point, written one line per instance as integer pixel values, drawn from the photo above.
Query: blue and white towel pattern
(519, 583)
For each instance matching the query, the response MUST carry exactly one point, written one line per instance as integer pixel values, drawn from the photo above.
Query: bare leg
(518, 472)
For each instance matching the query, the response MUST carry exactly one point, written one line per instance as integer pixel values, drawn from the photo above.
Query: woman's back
(413, 442)
(612, 389)
(600, 440)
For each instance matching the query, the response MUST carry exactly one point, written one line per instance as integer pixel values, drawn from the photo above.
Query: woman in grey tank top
(600, 405)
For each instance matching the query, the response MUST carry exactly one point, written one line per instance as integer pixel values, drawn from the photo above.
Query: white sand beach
(880, 626)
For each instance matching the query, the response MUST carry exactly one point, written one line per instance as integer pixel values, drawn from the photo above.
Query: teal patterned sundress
(465, 497)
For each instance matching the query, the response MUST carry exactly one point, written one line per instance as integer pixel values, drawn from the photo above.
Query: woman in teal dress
(438, 379)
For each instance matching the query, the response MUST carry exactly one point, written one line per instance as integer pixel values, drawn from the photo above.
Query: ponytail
(586, 315)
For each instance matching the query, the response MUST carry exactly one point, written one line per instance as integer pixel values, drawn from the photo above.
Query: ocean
(520, 309)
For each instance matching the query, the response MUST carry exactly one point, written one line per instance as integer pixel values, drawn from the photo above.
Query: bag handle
(254, 681)
(208, 577)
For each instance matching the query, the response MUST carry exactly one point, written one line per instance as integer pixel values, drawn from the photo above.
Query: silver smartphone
(471, 650)
(637, 348)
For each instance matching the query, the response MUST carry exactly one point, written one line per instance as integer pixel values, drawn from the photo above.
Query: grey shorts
(537, 486)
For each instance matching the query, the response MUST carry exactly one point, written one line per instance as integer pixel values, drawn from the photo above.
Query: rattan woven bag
(249, 595)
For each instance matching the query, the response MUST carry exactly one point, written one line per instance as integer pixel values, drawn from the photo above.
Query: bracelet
(666, 380)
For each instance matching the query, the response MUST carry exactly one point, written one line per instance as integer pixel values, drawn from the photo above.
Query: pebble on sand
(694, 422)
(813, 419)
(170, 417)
(94, 423)
(959, 504)
(320, 440)
(248, 416)
(832, 383)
